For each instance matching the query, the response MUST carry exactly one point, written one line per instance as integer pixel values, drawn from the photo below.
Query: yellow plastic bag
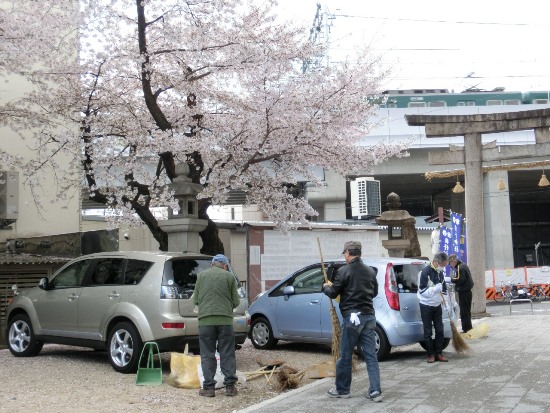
(478, 331)
(184, 371)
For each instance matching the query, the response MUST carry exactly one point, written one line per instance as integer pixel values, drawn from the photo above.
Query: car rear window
(406, 276)
(181, 274)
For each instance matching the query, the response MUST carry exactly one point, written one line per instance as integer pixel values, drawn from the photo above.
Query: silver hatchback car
(295, 309)
(115, 301)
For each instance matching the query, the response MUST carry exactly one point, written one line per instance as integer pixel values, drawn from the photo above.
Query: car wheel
(21, 341)
(446, 342)
(261, 334)
(383, 346)
(124, 347)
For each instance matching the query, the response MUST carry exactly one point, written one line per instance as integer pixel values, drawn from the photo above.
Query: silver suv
(115, 301)
(295, 309)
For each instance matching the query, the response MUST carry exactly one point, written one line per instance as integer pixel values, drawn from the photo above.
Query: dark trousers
(433, 316)
(224, 337)
(465, 305)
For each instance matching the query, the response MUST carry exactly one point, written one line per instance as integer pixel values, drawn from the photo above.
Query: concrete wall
(58, 217)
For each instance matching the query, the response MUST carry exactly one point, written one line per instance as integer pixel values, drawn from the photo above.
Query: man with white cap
(216, 296)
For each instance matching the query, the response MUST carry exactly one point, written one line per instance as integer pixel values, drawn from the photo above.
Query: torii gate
(473, 156)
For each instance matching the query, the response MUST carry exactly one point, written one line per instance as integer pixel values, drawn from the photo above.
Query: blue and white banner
(456, 226)
(445, 239)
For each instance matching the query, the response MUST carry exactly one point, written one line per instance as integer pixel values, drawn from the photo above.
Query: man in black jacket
(356, 285)
(462, 279)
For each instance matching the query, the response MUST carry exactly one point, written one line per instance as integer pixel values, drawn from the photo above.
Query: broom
(336, 331)
(459, 344)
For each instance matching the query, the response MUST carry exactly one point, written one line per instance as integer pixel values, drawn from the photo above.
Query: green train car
(418, 98)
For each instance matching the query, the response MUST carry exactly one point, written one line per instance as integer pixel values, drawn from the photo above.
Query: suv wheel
(383, 346)
(21, 341)
(124, 347)
(261, 334)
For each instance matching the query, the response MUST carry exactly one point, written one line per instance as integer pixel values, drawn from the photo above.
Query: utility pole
(319, 31)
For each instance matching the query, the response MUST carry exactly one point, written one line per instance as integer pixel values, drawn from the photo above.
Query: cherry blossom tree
(131, 88)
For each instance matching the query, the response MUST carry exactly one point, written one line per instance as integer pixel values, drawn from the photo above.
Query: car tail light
(390, 288)
(174, 292)
(173, 325)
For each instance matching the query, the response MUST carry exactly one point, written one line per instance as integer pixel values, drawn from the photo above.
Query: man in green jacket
(216, 296)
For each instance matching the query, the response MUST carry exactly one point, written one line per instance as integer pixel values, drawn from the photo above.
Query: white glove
(448, 280)
(438, 288)
(354, 318)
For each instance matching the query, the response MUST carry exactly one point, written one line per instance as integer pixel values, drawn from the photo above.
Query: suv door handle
(314, 302)
(114, 294)
(72, 297)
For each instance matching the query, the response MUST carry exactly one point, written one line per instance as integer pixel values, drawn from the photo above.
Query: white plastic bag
(219, 377)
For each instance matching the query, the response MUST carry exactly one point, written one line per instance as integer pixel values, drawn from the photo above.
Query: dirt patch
(64, 378)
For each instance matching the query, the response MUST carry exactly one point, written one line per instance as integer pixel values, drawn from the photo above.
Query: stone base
(183, 233)
(396, 247)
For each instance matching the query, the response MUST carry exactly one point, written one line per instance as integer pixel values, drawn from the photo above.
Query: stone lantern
(406, 243)
(183, 228)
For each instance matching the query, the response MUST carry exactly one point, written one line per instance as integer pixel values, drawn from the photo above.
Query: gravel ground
(64, 378)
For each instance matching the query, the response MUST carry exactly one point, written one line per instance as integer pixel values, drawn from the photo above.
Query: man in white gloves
(357, 286)
(431, 286)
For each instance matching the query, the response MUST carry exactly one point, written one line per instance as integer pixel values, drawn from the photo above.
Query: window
(109, 271)
(407, 277)
(310, 281)
(493, 102)
(437, 104)
(70, 276)
(512, 102)
(135, 270)
(417, 104)
(540, 101)
(182, 274)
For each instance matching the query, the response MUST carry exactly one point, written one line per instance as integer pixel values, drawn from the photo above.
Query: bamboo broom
(336, 330)
(459, 344)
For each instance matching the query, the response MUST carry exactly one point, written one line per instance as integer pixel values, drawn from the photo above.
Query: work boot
(440, 357)
(431, 359)
(207, 392)
(230, 390)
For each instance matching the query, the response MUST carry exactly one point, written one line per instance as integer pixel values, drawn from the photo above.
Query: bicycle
(505, 293)
(537, 292)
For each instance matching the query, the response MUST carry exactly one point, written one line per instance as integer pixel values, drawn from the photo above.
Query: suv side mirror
(43, 283)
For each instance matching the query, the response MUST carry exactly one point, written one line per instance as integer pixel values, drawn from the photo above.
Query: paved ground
(506, 371)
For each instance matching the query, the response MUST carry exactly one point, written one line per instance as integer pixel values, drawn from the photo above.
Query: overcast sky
(442, 44)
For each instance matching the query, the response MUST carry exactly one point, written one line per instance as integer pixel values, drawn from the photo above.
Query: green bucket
(149, 373)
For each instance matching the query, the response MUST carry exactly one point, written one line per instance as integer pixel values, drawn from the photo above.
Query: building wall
(273, 255)
(130, 238)
(57, 217)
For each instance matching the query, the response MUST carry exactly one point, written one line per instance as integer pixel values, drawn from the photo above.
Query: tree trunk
(211, 242)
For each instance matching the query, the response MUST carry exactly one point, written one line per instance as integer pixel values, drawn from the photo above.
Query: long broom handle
(322, 262)
(323, 267)
(447, 305)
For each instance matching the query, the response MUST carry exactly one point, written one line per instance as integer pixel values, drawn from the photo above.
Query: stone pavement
(506, 371)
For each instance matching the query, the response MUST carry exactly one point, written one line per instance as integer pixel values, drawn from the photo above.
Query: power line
(443, 21)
